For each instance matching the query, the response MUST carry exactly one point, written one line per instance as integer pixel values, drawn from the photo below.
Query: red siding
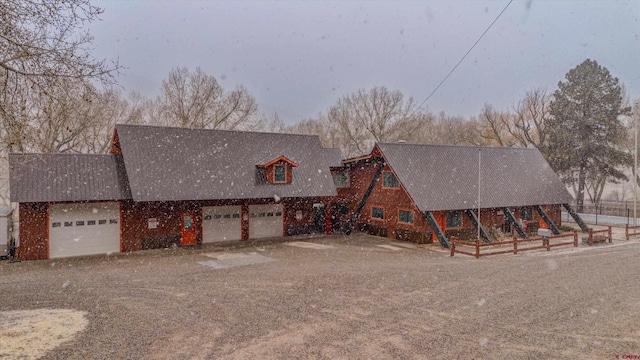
(269, 174)
(34, 228)
(392, 200)
(361, 174)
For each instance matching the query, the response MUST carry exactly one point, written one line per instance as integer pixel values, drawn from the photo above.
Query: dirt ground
(338, 297)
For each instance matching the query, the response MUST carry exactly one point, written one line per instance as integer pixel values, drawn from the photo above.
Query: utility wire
(462, 59)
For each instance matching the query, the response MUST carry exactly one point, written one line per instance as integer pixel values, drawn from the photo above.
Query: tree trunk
(581, 185)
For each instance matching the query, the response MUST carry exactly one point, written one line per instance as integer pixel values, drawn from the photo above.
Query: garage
(266, 221)
(84, 229)
(221, 223)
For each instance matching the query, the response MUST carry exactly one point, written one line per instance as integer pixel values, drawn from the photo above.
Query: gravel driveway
(348, 299)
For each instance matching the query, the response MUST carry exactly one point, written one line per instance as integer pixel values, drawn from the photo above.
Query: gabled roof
(164, 163)
(66, 177)
(270, 161)
(446, 177)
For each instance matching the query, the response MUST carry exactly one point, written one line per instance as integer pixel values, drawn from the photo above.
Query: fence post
(548, 246)
(590, 236)
(477, 248)
(515, 245)
(626, 231)
(453, 246)
(575, 238)
(610, 237)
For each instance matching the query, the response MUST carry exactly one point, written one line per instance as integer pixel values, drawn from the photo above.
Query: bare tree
(530, 117)
(377, 115)
(196, 100)
(271, 124)
(456, 130)
(329, 134)
(42, 46)
(103, 111)
(494, 127)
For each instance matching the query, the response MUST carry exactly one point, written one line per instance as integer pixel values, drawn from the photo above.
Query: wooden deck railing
(544, 243)
(631, 231)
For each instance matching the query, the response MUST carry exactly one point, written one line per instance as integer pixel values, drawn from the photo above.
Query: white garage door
(221, 223)
(84, 229)
(265, 221)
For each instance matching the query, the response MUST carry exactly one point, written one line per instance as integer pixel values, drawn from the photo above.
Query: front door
(188, 229)
(319, 218)
(441, 219)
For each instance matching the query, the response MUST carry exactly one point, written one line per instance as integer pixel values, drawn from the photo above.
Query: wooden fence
(538, 243)
(599, 235)
(631, 231)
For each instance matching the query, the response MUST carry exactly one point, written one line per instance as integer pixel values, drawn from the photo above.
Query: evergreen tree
(586, 135)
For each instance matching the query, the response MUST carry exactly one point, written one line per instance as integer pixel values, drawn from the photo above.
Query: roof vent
(402, 141)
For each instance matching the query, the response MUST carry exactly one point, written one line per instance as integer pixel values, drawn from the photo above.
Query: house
(161, 186)
(425, 193)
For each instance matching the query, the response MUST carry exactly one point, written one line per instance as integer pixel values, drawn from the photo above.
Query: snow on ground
(29, 334)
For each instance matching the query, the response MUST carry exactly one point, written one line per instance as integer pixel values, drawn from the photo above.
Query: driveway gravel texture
(349, 299)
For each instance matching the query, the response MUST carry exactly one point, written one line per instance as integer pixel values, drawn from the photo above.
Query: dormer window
(279, 174)
(278, 170)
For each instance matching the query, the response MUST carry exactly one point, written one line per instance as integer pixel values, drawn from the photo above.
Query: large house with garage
(425, 193)
(161, 186)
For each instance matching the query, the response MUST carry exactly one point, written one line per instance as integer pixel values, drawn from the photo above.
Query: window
(188, 222)
(390, 181)
(227, 216)
(217, 216)
(270, 214)
(526, 213)
(278, 213)
(113, 221)
(377, 213)
(341, 179)
(56, 224)
(68, 223)
(454, 219)
(102, 222)
(91, 222)
(80, 223)
(208, 217)
(405, 216)
(279, 174)
(236, 216)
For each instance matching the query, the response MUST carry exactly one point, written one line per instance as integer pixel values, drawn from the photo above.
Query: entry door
(441, 219)
(339, 217)
(319, 218)
(188, 229)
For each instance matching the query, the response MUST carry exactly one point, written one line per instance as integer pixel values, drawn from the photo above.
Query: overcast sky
(298, 58)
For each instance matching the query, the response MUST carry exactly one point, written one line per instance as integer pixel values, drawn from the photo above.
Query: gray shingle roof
(66, 177)
(165, 163)
(446, 177)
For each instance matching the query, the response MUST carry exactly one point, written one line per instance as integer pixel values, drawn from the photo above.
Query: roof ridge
(58, 154)
(461, 146)
(218, 130)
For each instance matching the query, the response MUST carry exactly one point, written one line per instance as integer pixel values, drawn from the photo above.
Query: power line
(463, 57)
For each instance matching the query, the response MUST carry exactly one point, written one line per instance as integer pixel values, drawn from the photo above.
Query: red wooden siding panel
(34, 230)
